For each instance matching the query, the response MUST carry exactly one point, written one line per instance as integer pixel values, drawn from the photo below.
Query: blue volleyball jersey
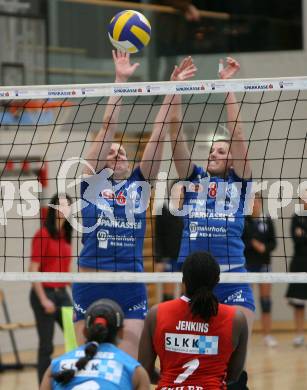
(116, 243)
(210, 225)
(110, 369)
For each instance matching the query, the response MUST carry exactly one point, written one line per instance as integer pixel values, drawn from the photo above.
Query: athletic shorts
(132, 298)
(259, 268)
(236, 294)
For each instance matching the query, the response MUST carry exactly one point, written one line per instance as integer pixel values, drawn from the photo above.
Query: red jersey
(53, 255)
(193, 354)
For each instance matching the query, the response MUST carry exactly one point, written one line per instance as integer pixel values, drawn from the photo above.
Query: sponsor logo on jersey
(77, 307)
(235, 297)
(193, 230)
(212, 215)
(109, 370)
(120, 198)
(108, 194)
(91, 369)
(101, 355)
(117, 223)
(191, 344)
(142, 306)
(102, 237)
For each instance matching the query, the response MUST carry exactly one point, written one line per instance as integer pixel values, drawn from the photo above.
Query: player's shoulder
(136, 174)
(234, 177)
(172, 306)
(76, 353)
(171, 303)
(42, 232)
(198, 173)
(125, 358)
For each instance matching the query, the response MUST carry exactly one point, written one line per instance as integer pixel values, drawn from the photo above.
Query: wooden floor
(281, 368)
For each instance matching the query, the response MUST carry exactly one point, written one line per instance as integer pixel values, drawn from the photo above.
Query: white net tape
(150, 277)
(154, 88)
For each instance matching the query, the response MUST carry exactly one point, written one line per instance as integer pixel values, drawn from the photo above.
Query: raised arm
(181, 152)
(152, 156)
(97, 155)
(238, 145)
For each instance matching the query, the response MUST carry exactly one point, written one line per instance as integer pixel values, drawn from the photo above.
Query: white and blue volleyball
(129, 31)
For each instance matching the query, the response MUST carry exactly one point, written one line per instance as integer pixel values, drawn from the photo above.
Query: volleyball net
(46, 131)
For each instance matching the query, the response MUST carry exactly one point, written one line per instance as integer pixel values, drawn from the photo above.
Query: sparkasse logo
(191, 88)
(61, 93)
(258, 86)
(125, 90)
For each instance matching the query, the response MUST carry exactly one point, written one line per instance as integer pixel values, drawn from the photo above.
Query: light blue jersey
(110, 369)
(210, 225)
(116, 243)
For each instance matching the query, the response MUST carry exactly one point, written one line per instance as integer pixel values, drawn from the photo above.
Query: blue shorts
(132, 298)
(258, 267)
(236, 294)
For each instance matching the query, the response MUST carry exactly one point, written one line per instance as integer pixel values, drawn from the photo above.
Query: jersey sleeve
(238, 178)
(197, 172)
(130, 363)
(137, 175)
(39, 246)
(83, 187)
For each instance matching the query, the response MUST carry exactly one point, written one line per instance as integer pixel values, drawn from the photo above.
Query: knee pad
(241, 384)
(266, 304)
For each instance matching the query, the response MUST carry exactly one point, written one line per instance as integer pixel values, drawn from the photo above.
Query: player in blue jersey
(99, 364)
(116, 208)
(215, 223)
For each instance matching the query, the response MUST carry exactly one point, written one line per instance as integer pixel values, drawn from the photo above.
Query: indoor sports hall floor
(282, 368)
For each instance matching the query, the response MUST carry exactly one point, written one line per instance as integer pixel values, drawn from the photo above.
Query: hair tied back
(101, 321)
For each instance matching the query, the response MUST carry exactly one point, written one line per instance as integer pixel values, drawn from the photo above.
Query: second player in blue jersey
(217, 196)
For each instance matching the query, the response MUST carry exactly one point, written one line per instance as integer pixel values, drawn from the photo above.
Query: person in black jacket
(297, 293)
(260, 241)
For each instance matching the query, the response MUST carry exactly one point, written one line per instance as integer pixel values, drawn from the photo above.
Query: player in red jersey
(201, 343)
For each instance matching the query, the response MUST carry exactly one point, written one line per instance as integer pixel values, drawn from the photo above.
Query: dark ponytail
(200, 275)
(51, 219)
(103, 320)
(65, 376)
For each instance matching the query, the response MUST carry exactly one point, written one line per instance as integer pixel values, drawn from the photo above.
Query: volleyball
(129, 31)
